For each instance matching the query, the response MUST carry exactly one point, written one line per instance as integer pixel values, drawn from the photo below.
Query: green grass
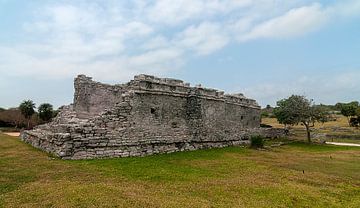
(293, 175)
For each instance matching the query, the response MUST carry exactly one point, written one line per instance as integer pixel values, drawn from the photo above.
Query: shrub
(355, 122)
(257, 141)
(264, 114)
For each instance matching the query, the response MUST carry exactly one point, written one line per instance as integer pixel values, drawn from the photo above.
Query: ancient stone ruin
(145, 116)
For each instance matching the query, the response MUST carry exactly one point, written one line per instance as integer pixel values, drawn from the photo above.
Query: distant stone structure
(145, 116)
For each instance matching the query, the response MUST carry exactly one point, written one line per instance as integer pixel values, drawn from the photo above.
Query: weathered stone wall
(92, 98)
(146, 116)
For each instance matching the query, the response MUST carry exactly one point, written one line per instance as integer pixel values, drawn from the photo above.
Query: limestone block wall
(92, 98)
(145, 116)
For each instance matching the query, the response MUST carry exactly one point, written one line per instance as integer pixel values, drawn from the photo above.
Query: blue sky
(267, 49)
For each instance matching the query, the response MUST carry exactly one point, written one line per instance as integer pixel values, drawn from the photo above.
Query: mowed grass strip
(294, 175)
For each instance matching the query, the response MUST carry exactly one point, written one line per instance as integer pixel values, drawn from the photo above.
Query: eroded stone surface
(145, 116)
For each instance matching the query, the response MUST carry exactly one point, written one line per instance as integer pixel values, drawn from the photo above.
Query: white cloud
(155, 43)
(112, 40)
(295, 22)
(156, 58)
(204, 39)
(345, 8)
(175, 12)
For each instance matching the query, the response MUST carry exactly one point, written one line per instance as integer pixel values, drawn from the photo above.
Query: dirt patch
(15, 134)
(343, 144)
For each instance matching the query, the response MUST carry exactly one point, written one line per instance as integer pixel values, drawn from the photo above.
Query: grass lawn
(294, 175)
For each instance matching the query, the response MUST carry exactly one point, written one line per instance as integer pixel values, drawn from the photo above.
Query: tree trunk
(348, 119)
(308, 132)
(28, 124)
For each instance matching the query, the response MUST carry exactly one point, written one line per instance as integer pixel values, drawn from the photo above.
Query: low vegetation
(257, 142)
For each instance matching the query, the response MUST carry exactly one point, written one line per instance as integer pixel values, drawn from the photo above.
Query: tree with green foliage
(355, 121)
(349, 110)
(358, 112)
(321, 113)
(27, 108)
(297, 109)
(46, 112)
(2, 109)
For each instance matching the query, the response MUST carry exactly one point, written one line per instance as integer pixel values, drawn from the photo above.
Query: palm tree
(45, 111)
(27, 108)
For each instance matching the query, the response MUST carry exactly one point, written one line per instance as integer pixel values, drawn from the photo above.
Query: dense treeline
(26, 116)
